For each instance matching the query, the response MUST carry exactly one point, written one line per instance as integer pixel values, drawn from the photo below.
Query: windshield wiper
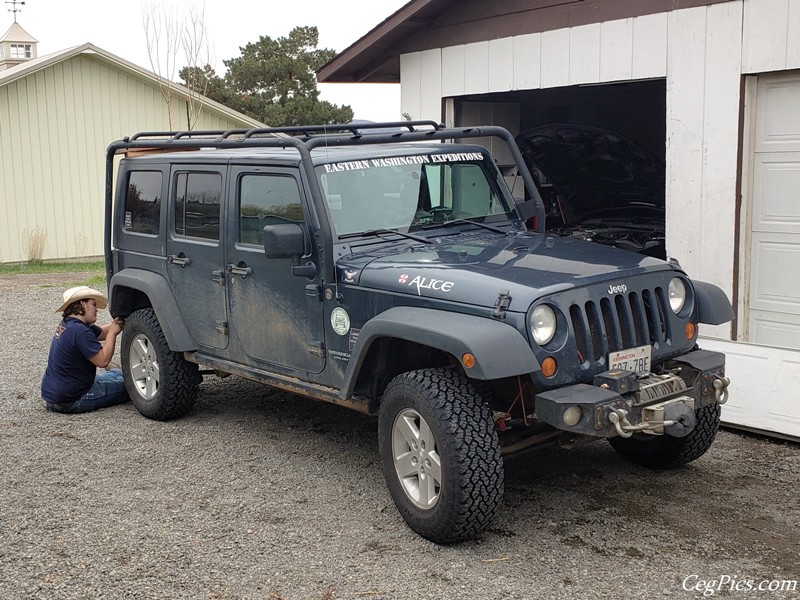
(470, 221)
(383, 231)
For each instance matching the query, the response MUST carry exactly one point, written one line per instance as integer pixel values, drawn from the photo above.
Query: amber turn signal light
(549, 366)
(691, 331)
(468, 360)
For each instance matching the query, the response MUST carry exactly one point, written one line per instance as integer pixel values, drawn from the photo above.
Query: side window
(262, 196)
(143, 202)
(197, 204)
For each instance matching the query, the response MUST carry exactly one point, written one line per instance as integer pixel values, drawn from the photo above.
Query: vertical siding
(720, 148)
(616, 50)
(703, 87)
(54, 128)
(793, 35)
(684, 152)
(528, 61)
(555, 58)
(601, 52)
(411, 90)
(452, 71)
(766, 32)
(649, 46)
(501, 64)
(431, 82)
(422, 97)
(476, 68)
(584, 58)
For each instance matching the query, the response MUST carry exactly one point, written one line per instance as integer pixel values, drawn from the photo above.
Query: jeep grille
(619, 322)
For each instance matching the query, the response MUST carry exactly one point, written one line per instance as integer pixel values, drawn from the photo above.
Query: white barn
(712, 86)
(58, 113)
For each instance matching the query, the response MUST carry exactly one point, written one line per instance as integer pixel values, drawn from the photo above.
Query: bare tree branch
(197, 54)
(170, 36)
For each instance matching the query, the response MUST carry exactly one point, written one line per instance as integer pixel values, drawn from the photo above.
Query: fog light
(691, 331)
(549, 366)
(468, 360)
(572, 415)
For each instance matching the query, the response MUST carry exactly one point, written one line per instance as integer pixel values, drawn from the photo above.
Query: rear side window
(197, 205)
(143, 202)
(265, 196)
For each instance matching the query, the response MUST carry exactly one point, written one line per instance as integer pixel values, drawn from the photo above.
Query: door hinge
(222, 327)
(314, 291)
(218, 277)
(317, 348)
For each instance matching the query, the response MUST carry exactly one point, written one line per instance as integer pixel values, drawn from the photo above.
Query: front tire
(440, 454)
(665, 452)
(161, 383)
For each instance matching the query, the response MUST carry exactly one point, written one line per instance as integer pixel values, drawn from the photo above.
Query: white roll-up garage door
(774, 294)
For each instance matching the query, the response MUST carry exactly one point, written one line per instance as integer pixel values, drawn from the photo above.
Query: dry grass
(35, 242)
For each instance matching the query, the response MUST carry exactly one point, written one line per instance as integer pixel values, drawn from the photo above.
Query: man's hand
(116, 326)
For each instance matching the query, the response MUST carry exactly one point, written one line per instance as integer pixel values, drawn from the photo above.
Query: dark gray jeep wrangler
(387, 268)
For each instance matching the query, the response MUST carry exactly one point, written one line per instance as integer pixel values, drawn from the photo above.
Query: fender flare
(713, 306)
(163, 301)
(499, 349)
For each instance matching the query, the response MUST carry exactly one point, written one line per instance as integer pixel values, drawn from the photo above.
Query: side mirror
(284, 240)
(288, 240)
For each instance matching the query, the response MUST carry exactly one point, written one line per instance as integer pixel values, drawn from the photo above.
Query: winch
(621, 403)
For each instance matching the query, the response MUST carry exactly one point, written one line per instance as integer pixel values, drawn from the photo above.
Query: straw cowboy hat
(83, 292)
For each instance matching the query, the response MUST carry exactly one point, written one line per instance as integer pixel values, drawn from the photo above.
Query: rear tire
(440, 454)
(665, 452)
(161, 383)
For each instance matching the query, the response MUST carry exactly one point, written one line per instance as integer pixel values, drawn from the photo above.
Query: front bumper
(621, 403)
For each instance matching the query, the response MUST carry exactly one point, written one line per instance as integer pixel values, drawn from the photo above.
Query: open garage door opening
(597, 153)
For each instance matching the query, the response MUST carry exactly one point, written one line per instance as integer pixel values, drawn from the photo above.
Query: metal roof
(90, 50)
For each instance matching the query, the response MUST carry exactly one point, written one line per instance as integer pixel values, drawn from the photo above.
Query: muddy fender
(499, 349)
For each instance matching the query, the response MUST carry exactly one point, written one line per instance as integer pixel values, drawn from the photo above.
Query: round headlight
(543, 324)
(677, 295)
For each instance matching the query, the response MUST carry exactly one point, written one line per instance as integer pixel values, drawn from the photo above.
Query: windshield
(408, 192)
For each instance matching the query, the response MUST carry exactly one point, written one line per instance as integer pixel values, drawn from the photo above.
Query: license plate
(631, 359)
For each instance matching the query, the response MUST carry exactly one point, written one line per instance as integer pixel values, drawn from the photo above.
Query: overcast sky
(117, 27)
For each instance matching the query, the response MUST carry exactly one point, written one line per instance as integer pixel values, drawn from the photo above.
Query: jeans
(108, 389)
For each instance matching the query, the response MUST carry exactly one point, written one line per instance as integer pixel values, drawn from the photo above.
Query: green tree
(274, 81)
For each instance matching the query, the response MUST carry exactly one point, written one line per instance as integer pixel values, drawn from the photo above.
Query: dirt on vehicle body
(384, 270)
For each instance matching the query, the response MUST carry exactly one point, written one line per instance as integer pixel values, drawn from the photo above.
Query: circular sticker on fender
(340, 320)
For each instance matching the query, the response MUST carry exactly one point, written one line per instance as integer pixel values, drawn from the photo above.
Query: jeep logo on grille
(617, 289)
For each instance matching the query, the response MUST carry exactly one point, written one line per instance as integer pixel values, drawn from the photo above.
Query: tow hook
(681, 423)
(619, 417)
(721, 389)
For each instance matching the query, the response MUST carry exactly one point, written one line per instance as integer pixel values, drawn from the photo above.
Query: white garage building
(713, 87)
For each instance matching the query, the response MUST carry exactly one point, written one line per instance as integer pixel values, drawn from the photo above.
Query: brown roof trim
(427, 24)
(371, 58)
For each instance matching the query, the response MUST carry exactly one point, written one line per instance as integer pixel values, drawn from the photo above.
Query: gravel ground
(258, 494)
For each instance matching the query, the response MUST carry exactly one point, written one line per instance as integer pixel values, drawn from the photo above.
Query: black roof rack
(304, 139)
(300, 131)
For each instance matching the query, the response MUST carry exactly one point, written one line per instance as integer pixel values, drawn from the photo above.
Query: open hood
(598, 185)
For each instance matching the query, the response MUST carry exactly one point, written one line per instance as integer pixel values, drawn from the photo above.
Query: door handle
(180, 259)
(240, 269)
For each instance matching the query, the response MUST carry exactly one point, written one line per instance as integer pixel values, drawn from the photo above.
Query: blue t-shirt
(70, 372)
